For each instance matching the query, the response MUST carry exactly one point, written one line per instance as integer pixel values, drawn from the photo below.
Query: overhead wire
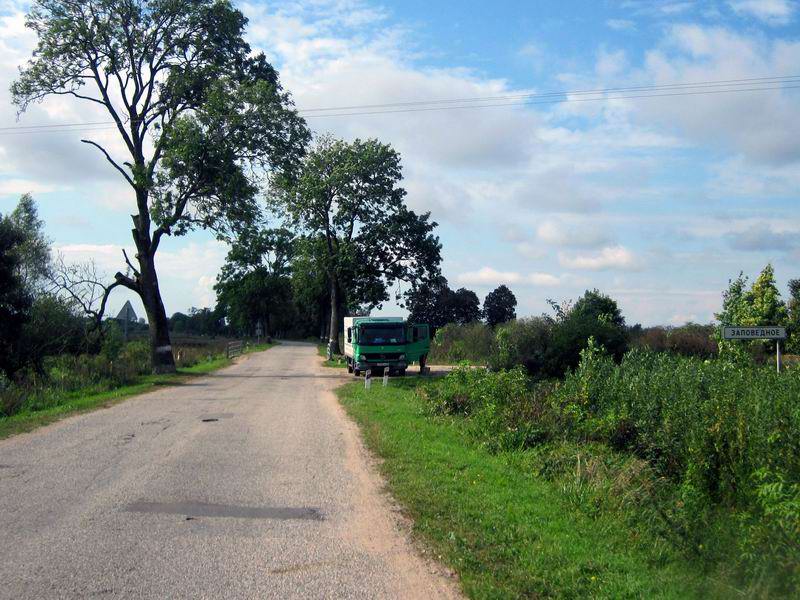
(753, 84)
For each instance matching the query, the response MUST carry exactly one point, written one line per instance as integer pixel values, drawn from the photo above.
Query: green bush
(718, 439)
(523, 342)
(453, 343)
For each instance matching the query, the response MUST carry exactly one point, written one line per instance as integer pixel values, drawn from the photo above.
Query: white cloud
(559, 233)
(772, 12)
(612, 257)
(17, 187)
(621, 24)
(487, 276)
(761, 125)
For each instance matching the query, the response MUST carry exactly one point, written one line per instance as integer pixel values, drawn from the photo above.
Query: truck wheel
(349, 367)
(422, 361)
(357, 373)
(401, 372)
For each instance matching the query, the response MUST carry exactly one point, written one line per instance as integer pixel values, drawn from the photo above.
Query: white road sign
(754, 333)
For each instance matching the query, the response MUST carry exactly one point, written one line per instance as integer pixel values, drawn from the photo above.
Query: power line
(437, 108)
(662, 91)
(698, 84)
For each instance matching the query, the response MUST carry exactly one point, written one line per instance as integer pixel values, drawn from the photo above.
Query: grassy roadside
(85, 400)
(506, 532)
(338, 361)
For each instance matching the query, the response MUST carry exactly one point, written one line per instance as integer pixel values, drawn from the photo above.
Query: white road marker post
(385, 377)
(367, 379)
(778, 355)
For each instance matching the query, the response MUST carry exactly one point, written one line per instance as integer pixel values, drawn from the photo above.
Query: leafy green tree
(793, 309)
(15, 300)
(465, 307)
(593, 316)
(199, 116)
(432, 301)
(34, 251)
(499, 306)
(768, 308)
(254, 284)
(428, 302)
(759, 305)
(348, 195)
(596, 305)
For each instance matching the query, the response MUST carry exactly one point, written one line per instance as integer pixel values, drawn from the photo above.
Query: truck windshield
(382, 335)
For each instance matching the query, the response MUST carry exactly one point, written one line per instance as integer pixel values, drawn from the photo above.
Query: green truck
(378, 343)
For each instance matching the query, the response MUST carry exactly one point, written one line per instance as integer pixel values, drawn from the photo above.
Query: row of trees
(207, 132)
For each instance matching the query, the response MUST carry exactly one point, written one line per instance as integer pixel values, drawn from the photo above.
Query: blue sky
(657, 201)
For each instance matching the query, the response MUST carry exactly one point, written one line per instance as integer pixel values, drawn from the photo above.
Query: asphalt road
(250, 483)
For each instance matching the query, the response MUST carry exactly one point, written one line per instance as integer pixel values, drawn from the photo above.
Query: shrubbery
(117, 364)
(473, 342)
(719, 440)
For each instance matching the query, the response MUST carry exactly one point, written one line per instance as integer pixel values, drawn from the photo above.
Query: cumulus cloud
(772, 12)
(762, 125)
(609, 258)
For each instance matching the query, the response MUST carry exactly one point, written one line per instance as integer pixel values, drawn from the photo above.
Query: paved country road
(249, 483)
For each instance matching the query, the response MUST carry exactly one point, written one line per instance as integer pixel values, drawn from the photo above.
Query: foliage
(793, 321)
(473, 342)
(15, 299)
(54, 328)
(506, 523)
(34, 251)
(254, 285)
(691, 339)
(432, 301)
(499, 306)
(524, 342)
(199, 321)
(720, 436)
(759, 305)
(67, 376)
(594, 316)
(348, 195)
(202, 119)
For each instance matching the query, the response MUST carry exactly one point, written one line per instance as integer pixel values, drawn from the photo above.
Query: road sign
(754, 333)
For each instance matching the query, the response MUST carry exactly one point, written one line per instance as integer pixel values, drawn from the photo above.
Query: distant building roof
(127, 313)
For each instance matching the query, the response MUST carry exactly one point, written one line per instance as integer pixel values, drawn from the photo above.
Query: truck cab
(378, 343)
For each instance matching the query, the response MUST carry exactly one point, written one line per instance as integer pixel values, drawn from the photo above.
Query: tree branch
(111, 160)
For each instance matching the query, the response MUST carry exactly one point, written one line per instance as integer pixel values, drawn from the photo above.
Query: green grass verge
(507, 533)
(85, 400)
(338, 361)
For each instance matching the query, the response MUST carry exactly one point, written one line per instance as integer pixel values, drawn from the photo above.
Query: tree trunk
(333, 332)
(160, 346)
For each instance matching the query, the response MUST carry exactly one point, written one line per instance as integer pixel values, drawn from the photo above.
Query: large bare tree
(202, 120)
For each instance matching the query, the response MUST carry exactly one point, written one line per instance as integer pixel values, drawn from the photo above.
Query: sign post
(368, 379)
(767, 332)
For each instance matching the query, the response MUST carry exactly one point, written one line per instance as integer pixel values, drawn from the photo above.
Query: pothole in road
(192, 510)
(215, 417)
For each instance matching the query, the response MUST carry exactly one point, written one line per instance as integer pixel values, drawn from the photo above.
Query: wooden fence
(234, 349)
